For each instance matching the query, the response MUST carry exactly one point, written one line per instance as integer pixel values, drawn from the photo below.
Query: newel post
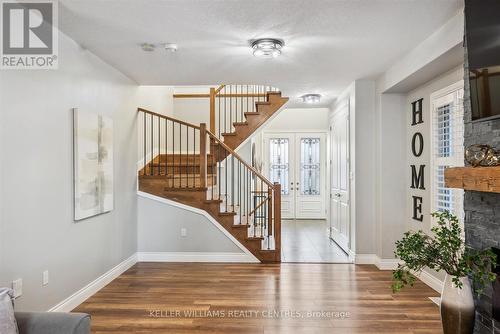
(270, 209)
(203, 155)
(212, 110)
(277, 221)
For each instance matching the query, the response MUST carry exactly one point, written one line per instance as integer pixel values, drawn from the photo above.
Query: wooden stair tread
(228, 213)
(241, 225)
(176, 176)
(179, 163)
(217, 201)
(255, 238)
(185, 188)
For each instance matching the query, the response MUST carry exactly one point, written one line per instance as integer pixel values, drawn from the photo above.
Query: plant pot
(457, 307)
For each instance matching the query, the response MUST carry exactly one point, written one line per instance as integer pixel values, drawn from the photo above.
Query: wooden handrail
(191, 96)
(219, 89)
(206, 96)
(233, 153)
(167, 117)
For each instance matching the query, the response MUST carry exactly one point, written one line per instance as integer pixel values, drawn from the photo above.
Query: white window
(447, 146)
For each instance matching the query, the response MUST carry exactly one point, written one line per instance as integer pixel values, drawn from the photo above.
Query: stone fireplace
(482, 215)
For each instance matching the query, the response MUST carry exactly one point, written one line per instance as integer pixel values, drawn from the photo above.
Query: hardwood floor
(248, 298)
(308, 241)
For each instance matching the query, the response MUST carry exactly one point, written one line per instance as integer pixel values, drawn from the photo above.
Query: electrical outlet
(17, 286)
(184, 232)
(45, 278)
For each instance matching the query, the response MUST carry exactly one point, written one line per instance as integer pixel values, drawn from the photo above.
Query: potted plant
(446, 251)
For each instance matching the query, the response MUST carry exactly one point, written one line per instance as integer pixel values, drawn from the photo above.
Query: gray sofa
(52, 323)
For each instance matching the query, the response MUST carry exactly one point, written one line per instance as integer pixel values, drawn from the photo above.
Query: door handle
(338, 195)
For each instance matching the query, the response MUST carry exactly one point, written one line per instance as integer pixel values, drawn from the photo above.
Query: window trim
(439, 98)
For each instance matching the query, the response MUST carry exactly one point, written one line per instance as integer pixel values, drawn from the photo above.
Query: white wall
(159, 230)
(391, 172)
(194, 111)
(158, 99)
(303, 119)
(38, 231)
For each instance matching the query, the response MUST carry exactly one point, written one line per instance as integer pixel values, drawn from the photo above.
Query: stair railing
(190, 156)
(229, 103)
(170, 149)
(240, 188)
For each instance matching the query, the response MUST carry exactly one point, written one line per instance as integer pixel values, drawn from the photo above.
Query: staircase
(197, 166)
(237, 111)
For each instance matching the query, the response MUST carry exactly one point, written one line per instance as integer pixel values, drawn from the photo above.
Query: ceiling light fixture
(311, 98)
(267, 47)
(148, 47)
(170, 47)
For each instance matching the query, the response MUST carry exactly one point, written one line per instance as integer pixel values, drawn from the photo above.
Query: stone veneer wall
(482, 210)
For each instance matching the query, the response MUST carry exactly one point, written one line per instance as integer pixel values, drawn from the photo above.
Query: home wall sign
(417, 148)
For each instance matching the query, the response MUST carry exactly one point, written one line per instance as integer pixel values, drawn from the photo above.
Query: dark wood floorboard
(245, 298)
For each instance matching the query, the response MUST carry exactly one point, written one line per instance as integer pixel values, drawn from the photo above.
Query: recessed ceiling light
(148, 47)
(170, 47)
(267, 47)
(311, 98)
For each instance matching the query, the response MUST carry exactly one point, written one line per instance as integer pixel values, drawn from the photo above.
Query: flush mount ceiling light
(311, 98)
(267, 47)
(170, 47)
(148, 47)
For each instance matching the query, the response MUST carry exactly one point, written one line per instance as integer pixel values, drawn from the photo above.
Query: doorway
(297, 161)
(340, 222)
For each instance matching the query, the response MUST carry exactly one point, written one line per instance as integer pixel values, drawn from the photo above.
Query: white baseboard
(382, 264)
(433, 282)
(387, 264)
(365, 259)
(194, 257)
(84, 293)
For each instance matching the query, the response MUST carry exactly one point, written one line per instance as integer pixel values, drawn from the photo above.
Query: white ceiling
(328, 44)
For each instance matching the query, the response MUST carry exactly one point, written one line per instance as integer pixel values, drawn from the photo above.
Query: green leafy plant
(445, 251)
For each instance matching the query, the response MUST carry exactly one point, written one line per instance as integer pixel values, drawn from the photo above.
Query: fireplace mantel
(485, 179)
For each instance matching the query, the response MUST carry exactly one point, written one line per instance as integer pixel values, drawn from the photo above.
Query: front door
(340, 227)
(297, 162)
